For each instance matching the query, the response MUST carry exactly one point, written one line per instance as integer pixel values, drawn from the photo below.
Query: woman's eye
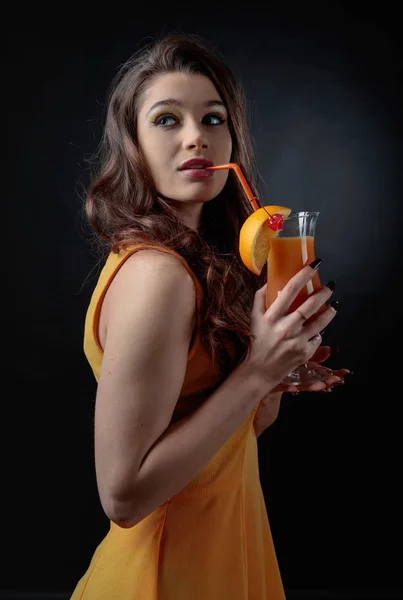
(213, 119)
(170, 120)
(165, 120)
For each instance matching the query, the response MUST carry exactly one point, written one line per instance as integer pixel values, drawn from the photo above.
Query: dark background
(324, 85)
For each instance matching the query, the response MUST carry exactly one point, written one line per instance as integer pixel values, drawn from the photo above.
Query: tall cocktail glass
(290, 250)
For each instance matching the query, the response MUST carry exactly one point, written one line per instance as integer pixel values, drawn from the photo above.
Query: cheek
(227, 146)
(154, 152)
(160, 150)
(223, 179)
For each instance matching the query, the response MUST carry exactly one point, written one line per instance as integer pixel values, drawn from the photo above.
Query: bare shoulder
(154, 266)
(149, 280)
(154, 260)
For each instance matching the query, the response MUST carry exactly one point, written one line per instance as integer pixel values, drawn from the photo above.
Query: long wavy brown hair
(123, 206)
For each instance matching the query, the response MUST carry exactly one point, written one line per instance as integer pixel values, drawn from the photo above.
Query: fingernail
(335, 305)
(341, 382)
(331, 285)
(315, 264)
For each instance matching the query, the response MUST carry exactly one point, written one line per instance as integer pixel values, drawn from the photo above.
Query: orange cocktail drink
(287, 256)
(291, 250)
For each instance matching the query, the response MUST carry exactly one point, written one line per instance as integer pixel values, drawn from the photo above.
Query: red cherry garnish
(276, 222)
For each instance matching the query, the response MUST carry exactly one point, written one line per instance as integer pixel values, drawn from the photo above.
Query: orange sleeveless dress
(212, 541)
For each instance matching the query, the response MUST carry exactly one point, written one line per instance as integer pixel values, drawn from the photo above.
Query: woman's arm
(141, 460)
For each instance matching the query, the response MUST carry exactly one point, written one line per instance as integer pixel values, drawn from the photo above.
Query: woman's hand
(269, 406)
(282, 340)
(336, 377)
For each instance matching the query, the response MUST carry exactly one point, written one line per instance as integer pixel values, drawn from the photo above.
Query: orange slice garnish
(255, 236)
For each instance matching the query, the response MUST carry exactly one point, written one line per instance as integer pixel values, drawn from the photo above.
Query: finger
(326, 384)
(313, 303)
(321, 386)
(342, 372)
(321, 354)
(332, 380)
(314, 365)
(286, 387)
(314, 342)
(319, 322)
(286, 297)
(318, 386)
(259, 304)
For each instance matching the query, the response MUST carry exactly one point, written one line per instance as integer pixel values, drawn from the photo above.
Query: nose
(195, 137)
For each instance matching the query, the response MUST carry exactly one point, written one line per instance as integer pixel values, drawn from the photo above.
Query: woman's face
(182, 117)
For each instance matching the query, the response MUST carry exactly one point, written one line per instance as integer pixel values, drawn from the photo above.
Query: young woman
(188, 362)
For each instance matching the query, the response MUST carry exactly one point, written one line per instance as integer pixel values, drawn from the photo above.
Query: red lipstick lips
(196, 167)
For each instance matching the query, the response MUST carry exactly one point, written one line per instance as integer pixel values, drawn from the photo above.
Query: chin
(202, 198)
(191, 196)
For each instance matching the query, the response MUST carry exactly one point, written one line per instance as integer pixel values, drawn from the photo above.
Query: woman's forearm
(188, 445)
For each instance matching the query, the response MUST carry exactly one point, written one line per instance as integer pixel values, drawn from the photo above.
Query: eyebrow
(175, 102)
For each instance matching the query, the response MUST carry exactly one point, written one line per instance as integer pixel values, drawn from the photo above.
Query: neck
(189, 214)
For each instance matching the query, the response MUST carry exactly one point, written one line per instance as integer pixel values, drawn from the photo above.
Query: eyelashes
(219, 118)
(169, 120)
(159, 120)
